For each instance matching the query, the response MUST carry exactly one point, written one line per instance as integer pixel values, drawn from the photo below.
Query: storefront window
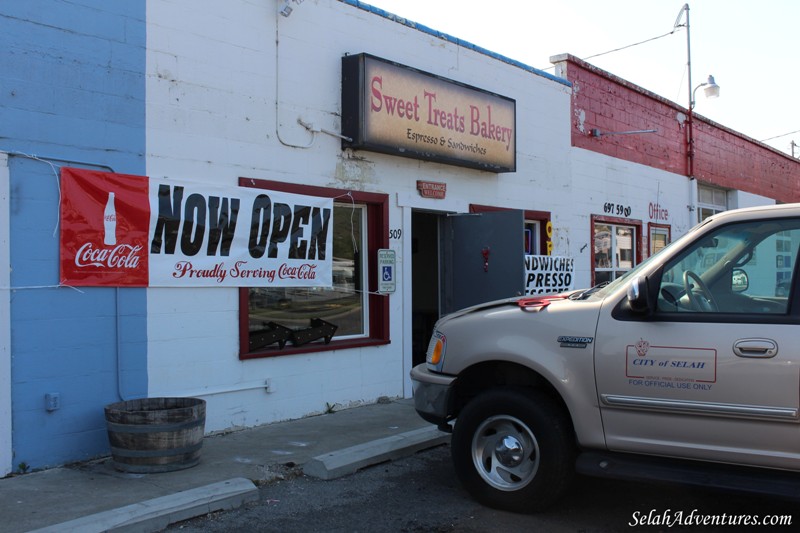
(280, 321)
(344, 305)
(659, 238)
(614, 251)
(532, 237)
(710, 202)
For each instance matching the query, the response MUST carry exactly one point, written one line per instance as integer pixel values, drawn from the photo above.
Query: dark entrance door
(461, 260)
(482, 258)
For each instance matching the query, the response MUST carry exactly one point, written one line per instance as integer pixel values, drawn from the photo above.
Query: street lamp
(711, 90)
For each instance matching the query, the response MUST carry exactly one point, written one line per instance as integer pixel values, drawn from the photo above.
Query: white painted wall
(597, 179)
(738, 199)
(6, 454)
(226, 86)
(213, 79)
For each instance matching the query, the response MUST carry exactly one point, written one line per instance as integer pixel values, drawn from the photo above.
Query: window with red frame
(660, 237)
(616, 248)
(283, 321)
(535, 230)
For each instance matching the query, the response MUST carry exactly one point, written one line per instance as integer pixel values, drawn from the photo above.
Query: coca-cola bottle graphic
(110, 222)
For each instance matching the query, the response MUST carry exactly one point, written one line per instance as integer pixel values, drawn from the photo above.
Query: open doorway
(425, 276)
(459, 260)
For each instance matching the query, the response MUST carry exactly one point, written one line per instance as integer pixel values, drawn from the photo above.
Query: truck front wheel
(513, 449)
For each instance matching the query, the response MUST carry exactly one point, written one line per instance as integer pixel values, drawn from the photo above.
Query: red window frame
(650, 226)
(377, 206)
(541, 216)
(636, 224)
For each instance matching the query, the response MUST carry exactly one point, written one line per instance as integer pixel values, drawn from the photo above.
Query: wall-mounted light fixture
(597, 133)
(711, 90)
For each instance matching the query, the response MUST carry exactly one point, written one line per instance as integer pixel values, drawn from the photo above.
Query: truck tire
(514, 449)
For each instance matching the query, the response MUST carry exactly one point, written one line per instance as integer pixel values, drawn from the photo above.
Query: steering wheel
(703, 301)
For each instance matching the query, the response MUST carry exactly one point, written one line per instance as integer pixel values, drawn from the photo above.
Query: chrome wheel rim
(505, 452)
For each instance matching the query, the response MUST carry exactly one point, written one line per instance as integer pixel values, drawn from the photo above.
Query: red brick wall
(723, 157)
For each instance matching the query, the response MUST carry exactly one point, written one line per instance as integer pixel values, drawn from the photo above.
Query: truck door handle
(764, 348)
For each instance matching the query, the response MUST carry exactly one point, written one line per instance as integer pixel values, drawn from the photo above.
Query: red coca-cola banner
(105, 220)
(134, 231)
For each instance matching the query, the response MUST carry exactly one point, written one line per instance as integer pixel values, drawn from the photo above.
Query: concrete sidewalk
(93, 496)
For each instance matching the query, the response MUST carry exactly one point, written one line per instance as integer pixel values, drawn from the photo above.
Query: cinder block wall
(723, 157)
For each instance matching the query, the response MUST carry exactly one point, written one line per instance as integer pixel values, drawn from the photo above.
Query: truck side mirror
(739, 280)
(639, 295)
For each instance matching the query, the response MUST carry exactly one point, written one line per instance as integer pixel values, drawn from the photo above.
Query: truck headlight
(436, 349)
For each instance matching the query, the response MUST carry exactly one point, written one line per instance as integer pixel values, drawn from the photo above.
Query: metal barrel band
(153, 428)
(125, 452)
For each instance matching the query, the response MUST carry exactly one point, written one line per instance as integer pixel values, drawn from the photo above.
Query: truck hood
(521, 330)
(526, 303)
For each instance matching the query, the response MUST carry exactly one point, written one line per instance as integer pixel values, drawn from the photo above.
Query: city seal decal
(641, 347)
(574, 342)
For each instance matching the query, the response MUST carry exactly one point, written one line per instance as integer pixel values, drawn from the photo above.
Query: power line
(623, 47)
(777, 136)
(629, 46)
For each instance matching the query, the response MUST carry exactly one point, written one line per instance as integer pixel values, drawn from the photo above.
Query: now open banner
(133, 231)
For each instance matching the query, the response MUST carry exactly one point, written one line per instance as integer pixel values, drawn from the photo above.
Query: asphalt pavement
(94, 496)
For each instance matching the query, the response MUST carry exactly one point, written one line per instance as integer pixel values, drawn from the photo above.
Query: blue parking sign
(386, 266)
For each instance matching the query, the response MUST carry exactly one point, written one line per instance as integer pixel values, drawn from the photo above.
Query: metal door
(482, 258)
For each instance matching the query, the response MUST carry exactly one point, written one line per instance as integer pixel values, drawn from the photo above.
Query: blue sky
(751, 48)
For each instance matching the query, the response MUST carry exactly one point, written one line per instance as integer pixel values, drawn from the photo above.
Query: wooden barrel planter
(154, 435)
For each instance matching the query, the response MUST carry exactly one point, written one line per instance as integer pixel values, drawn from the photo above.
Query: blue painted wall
(72, 92)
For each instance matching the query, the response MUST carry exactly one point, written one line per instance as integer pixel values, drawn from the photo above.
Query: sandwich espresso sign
(134, 231)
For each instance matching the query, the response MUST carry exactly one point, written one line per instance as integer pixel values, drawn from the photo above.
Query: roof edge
(454, 40)
(569, 58)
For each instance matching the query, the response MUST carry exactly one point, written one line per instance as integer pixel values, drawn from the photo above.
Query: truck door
(714, 372)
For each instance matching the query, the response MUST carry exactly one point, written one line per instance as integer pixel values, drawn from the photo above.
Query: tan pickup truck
(685, 369)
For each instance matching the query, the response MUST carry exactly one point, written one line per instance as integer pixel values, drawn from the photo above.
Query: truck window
(741, 268)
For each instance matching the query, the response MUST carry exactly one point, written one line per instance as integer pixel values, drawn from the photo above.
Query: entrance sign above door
(432, 189)
(399, 110)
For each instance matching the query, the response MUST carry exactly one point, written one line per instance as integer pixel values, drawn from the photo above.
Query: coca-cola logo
(120, 256)
(304, 271)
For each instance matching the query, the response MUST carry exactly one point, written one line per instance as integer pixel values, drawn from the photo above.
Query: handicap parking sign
(386, 269)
